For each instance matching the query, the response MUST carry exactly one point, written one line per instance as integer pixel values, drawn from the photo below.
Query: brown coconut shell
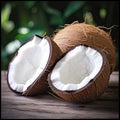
(95, 88)
(40, 85)
(81, 33)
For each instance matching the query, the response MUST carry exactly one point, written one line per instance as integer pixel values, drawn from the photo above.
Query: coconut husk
(81, 33)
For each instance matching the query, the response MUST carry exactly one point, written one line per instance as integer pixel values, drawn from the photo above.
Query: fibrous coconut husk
(82, 33)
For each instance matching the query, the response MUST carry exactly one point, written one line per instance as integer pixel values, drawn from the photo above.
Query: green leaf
(73, 7)
(51, 10)
(5, 13)
(56, 16)
(29, 4)
(56, 20)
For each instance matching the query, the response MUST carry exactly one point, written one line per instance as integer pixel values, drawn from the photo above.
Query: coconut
(28, 70)
(81, 75)
(81, 33)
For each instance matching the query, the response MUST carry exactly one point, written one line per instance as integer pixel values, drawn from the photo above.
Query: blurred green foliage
(20, 20)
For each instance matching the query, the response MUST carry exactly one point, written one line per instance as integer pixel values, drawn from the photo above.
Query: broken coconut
(81, 75)
(28, 70)
(81, 33)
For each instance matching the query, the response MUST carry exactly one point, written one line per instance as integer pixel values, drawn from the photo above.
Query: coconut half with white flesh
(81, 75)
(28, 70)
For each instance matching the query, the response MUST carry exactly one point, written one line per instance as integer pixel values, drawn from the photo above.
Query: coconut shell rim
(16, 53)
(40, 75)
(90, 82)
(29, 89)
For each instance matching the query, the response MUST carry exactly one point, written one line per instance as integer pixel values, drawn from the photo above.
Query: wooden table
(14, 106)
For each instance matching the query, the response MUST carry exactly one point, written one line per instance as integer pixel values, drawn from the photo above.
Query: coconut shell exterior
(81, 33)
(40, 85)
(95, 88)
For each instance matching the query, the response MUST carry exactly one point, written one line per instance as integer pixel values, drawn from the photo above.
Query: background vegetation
(20, 20)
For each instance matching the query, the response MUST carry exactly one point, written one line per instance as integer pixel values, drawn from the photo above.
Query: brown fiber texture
(89, 35)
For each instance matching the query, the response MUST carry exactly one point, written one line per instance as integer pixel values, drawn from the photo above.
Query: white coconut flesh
(76, 69)
(29, 63)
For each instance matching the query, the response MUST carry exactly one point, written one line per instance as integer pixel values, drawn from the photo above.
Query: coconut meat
(76, 69)
(28, 64)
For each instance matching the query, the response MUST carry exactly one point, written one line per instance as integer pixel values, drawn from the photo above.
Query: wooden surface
(46, 106)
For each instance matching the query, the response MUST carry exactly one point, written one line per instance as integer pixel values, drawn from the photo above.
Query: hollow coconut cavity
(30, 66)
(81, 75)
(89, 35)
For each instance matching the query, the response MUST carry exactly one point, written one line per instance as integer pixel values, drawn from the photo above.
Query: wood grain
(14, 106)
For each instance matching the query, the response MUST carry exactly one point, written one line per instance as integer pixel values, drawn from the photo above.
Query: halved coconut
(81, 33)
(82, 75)
(28, 70)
